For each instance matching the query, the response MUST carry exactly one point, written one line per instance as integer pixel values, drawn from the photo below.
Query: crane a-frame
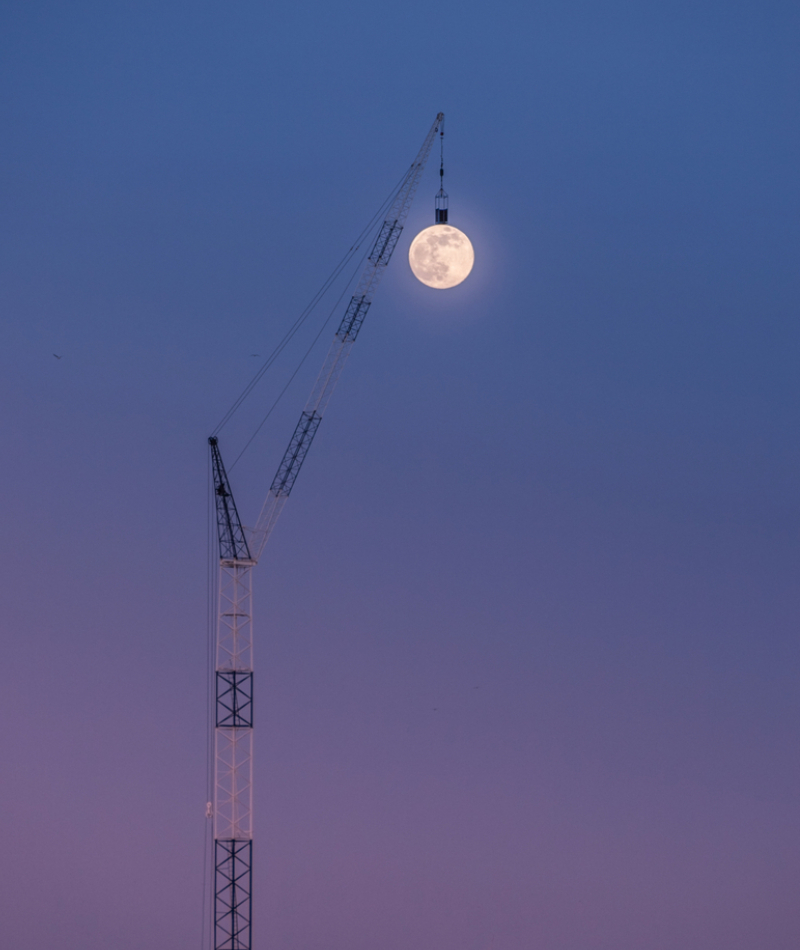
(239, 551)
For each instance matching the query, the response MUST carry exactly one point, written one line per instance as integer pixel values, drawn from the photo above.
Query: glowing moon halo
(441, 256)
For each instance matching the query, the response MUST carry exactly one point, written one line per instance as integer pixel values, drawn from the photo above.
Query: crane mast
(239, 551)
(233, 733)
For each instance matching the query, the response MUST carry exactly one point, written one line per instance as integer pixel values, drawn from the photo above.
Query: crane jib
(378, 259)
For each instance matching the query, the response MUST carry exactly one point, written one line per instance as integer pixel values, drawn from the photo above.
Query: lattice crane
(239, 551)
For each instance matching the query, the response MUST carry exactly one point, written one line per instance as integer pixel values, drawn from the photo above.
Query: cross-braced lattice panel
(234, 699)
(233, 888)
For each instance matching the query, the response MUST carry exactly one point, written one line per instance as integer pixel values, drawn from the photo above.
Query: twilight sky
(527, 656)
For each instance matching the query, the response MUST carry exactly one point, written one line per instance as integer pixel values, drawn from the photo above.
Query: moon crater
(441, 256)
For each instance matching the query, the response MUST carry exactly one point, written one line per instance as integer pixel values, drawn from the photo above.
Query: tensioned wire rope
(310, 307)
(206, 936)
(307, 353)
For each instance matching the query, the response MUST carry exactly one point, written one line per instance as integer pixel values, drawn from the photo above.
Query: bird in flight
(56, 356)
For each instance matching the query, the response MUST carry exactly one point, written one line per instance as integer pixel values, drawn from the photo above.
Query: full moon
(441, 256)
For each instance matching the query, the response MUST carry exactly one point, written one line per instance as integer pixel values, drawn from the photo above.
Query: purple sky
(527, 655)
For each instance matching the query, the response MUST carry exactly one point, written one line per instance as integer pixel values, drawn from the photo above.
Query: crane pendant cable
(304, 315)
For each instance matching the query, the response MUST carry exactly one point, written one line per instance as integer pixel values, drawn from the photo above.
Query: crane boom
(343, 341)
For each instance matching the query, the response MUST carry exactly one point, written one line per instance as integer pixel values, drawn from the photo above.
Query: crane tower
(239, 551)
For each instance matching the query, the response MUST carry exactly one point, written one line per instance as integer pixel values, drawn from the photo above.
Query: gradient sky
(527, 656)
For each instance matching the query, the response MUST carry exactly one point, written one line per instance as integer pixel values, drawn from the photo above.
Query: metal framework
(343, 341)
(239, 551)
(233, 736)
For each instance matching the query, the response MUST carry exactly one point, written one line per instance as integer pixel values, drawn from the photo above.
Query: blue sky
(570, 482)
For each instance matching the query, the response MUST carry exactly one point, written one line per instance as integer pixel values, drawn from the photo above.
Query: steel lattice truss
(343, 341)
